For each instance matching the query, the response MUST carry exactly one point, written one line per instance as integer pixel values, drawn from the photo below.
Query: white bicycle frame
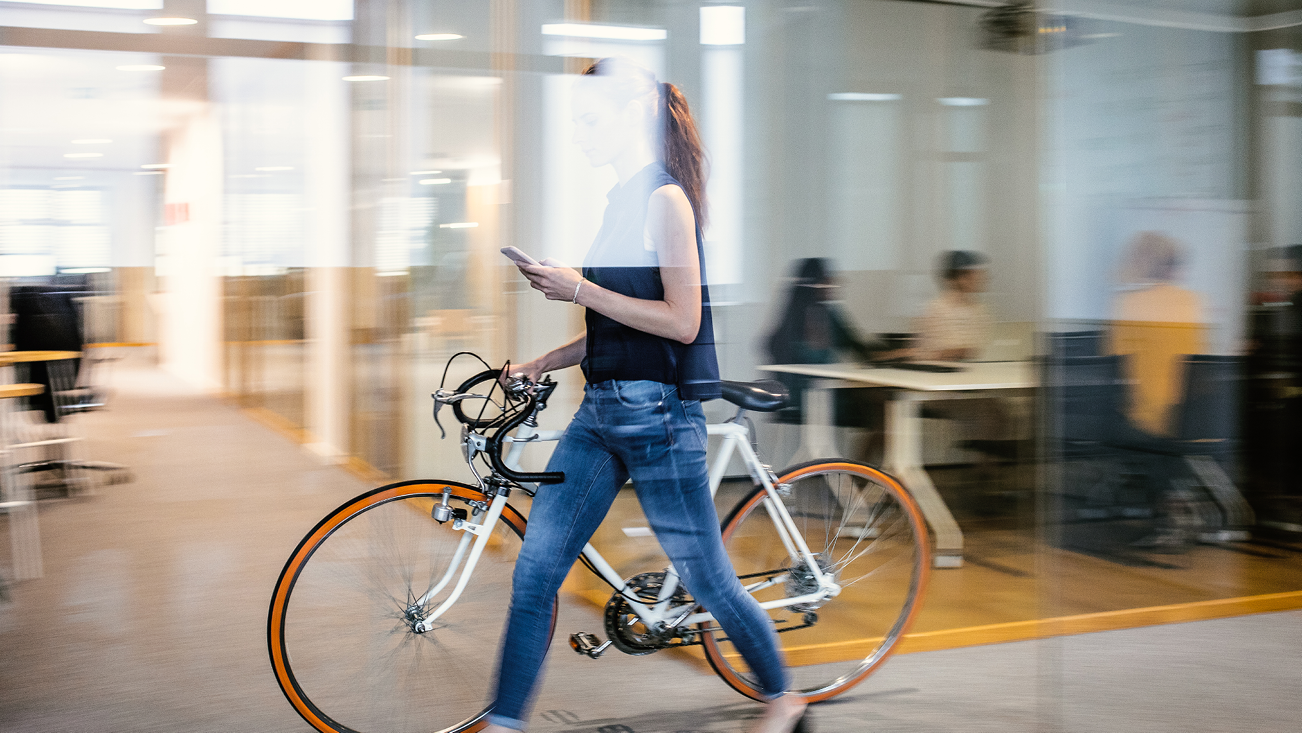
(661, 613)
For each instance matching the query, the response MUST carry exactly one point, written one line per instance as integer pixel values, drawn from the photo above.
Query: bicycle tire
(866, 528)
(341, 647)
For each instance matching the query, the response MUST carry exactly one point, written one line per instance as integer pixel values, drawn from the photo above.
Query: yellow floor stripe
(930, 641)
(1086, 623)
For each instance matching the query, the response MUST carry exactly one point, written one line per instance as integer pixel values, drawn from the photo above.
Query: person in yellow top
(1155, 323)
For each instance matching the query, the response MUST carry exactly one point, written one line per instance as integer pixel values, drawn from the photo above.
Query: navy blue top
(623, 259)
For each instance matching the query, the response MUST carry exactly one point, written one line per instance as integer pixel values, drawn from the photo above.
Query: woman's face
(602, 129)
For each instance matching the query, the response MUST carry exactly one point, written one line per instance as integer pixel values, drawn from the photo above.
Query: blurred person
(955, 327)
(648, 357)
(812, 328)
(956, 324)
(1155, 323)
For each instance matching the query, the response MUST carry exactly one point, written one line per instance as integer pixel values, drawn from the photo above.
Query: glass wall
(300, 206)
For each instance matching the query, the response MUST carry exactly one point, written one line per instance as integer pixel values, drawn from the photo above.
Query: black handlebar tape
(495, 454)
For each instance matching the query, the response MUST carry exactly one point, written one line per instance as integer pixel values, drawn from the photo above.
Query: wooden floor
(1015, 571)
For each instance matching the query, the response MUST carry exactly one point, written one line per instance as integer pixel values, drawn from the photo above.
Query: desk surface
(974, 375)
(13, 357)
(20, 390)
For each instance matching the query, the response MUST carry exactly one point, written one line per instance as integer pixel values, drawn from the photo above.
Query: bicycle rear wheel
(864, 529)
(340, 628)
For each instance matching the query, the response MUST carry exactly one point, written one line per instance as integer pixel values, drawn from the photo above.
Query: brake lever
(443, 397)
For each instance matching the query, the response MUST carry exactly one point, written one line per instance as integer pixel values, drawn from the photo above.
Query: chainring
(626, 630)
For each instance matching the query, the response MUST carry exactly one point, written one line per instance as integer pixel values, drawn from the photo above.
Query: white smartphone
(518, 257)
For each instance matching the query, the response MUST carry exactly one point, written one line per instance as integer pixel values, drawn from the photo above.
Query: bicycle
(388, 615)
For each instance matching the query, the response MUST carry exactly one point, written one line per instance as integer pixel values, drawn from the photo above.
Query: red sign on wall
(176, 214)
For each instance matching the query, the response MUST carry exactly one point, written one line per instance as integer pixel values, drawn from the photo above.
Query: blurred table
(904, 424)
(15, 357)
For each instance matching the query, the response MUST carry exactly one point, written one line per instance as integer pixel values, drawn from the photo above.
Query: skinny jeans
(638, 429)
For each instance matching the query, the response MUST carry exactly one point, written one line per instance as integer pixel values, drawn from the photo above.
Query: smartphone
(518, 257)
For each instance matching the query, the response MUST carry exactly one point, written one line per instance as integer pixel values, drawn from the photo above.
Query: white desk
(904, 424)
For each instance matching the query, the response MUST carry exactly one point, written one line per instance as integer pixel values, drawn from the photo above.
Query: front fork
(469, 549)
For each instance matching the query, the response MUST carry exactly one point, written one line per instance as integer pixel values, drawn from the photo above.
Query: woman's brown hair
(680, 148)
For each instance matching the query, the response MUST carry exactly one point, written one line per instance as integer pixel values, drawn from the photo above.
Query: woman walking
(648, 358)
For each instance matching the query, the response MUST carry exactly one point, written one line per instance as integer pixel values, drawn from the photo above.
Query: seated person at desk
(956, 324)
(955, 327)
(812, 329)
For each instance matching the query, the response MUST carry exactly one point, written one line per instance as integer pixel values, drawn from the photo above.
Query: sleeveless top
(624, 260)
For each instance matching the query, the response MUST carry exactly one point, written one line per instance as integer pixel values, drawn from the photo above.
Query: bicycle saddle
(762, 395)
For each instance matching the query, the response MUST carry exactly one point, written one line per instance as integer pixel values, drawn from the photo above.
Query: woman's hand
(530, 370)
(557, 283)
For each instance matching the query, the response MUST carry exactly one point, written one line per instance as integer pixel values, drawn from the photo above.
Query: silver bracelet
(575, 299)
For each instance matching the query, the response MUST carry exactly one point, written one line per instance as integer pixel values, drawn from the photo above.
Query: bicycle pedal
(588, 644)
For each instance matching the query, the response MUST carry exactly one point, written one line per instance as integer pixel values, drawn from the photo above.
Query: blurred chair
(16, 498)
(1083, 401)
(1205, 425)
(47, 318)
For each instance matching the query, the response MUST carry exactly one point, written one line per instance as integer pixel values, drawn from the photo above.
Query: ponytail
(680, 151)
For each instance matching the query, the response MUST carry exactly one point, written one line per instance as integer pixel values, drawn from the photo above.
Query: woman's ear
(635, 114)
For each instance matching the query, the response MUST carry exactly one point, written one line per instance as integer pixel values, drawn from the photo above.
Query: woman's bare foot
(781, 715)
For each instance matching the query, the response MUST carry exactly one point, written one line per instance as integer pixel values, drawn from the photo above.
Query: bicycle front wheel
(864, 530)
(341, 627)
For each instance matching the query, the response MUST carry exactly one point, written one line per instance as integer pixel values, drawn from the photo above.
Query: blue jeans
(643, 430)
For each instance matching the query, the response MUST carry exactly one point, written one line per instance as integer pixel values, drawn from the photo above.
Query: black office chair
(48, 318)
(1085, 428)
(1206, 440)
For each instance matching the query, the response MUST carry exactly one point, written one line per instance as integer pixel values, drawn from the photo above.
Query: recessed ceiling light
(156, 166)
(593, 30)
(963, 101)
(460, 225)
(425, 173)
(148, 173)
(269, 168)
(366, 77)
(83, 155)
(170, 21)
(439, 36)
(434, 181)
(862, 97)
(92, 141)
(140, 67)
(70, 178)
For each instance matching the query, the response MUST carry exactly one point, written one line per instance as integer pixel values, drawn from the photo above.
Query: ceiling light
(862, 97)
(425, 173)
(434, 181)
(140, 67)
(269, 168)
(616, 32)
(92, 141)
(148, 173)
(366, 77)
(439, 36)
(460, 225)
(156, 166)
(723, 25)
(83, 155)
(70, 178)
(963, 101)
(170, 21)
